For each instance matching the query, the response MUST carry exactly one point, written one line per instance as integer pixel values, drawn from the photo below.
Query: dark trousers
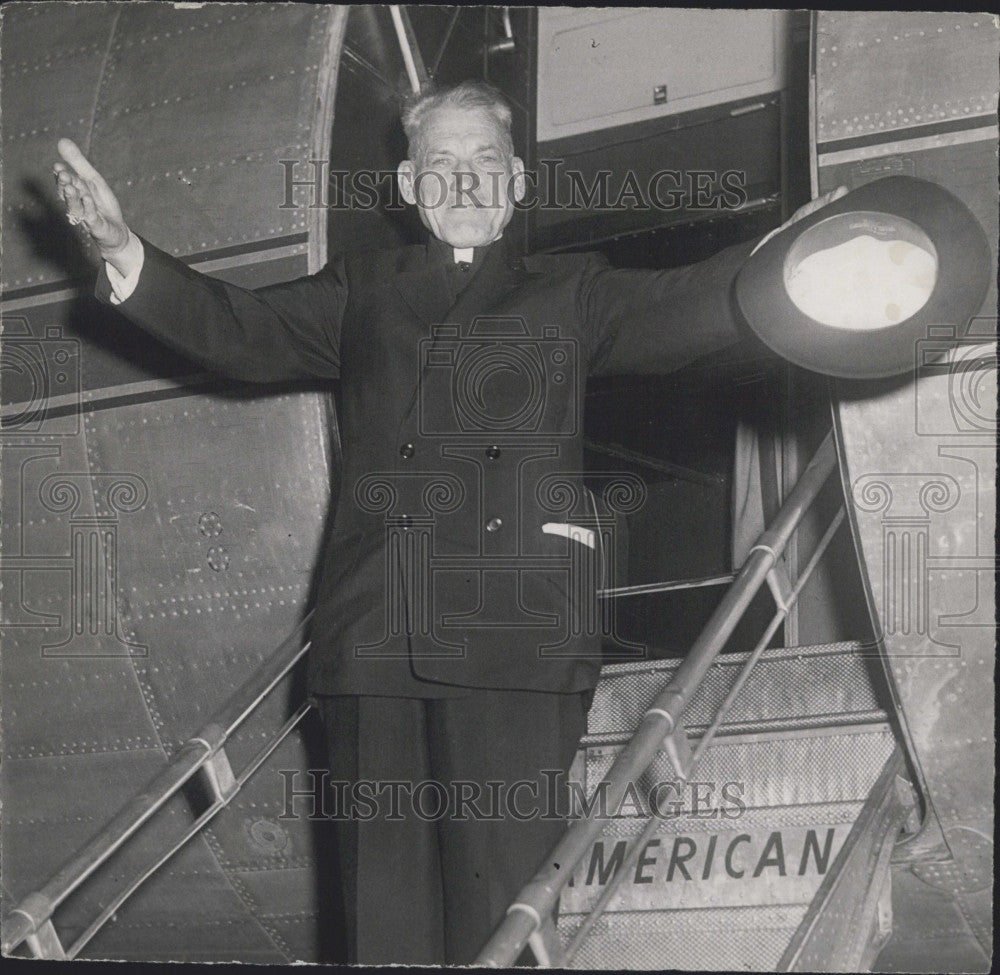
(426, 885)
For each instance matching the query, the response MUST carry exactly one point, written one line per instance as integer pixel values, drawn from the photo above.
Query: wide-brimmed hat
(841, 291)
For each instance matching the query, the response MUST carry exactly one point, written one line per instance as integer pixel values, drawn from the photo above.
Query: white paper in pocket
(583, 535)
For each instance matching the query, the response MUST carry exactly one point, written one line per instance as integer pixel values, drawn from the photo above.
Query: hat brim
(961, 281)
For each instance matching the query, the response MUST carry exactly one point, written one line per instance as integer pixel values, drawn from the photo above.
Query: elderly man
(444, 645)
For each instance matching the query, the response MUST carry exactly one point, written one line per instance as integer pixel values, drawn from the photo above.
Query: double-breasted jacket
(464, 551)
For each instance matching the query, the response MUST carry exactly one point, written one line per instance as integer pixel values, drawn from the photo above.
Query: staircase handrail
(31, 919)
(529, 918)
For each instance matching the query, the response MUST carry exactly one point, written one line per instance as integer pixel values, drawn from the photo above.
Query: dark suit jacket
(461, 440)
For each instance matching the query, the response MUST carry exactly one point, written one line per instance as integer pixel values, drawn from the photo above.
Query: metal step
(741, 850)
(791, 687)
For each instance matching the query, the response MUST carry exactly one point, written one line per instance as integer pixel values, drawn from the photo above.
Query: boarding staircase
(724, 873)
(799, 730)
(733, 811)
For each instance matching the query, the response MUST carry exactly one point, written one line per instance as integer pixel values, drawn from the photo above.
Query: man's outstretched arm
(658, 321)
(285, 331)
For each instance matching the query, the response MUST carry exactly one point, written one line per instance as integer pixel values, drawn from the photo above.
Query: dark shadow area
(680, 429)
(112, 351)
(116, 351)
(331, 934)
(53, 240)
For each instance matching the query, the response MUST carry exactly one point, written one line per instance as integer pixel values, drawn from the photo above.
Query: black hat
(895, 208)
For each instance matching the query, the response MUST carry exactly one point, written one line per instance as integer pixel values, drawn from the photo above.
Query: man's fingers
(88, 200)
(71, 191)
(66, 177)
(79, 204)
(74, 204)
(70, 151)
(827, 198)
(807, 209)
(90, 215)
(74, 210)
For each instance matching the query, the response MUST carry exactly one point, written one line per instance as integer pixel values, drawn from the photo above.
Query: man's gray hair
(466, 94)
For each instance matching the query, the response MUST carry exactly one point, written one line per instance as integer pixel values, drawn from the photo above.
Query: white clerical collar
(467, 255)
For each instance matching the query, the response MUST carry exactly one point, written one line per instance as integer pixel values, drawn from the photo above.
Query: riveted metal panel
(44, 825)
(187, 890)
(112, 652)
(252, 833)
(281, 894)
(201, 177)
(916, 94)
(77, 736)
(35, 726)
(977, 909)
(188, 885)
(918, 463)
(217, 564)
(924, 506)
(234, 535)
(193, 156)
(191, 939)
(938, 938)
(184, 893)
(885, 71)
(44, 51)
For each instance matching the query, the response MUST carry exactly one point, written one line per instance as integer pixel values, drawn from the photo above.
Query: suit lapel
(502, 270)
(425, 289)
(422, 284)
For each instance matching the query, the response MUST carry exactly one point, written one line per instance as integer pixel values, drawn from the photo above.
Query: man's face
(464, 183)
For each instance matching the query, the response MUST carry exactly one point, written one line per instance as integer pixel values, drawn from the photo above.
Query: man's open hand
(89, 200)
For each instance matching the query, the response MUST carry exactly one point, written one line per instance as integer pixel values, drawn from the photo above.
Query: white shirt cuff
(123, 275)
